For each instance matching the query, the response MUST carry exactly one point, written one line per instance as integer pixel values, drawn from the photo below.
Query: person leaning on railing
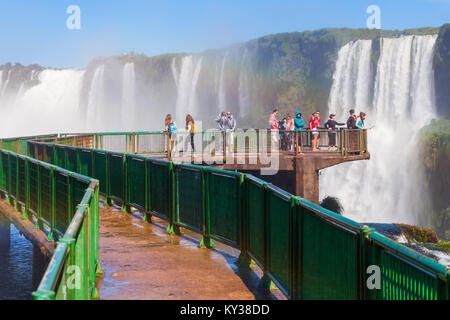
(330, 125)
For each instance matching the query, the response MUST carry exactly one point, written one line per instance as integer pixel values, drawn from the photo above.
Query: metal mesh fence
(224, 206)
(151, 142)
(189, 190)
(137, 182)
(115, 142)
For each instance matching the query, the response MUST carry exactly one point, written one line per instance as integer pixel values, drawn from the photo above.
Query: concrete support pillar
(307, 179)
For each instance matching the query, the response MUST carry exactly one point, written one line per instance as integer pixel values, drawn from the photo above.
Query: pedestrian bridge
(132, 225)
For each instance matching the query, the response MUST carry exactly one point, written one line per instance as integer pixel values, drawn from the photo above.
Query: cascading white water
(5, 85)
(96, 99)
(186, 82)
(49, 107)
(244, 91)
(128, 96)
(222, 100)
(386, 188)
(352, 78)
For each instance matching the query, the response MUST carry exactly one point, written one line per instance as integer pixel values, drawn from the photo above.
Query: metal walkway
(141, 261)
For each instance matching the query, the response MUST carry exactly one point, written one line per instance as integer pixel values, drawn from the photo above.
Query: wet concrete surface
(141, 261)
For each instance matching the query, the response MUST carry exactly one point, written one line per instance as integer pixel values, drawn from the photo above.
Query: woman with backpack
(171, 128)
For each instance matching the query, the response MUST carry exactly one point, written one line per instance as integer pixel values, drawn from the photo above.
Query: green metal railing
(63, 204)
(306, 250)
(207, 142)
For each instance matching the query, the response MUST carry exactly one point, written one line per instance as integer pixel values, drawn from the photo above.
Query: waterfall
(5, 85)
(352, 78)
(48, 107)
(173, 67)
(186, 82)
(386, 188)
(222, 100)
(96, 99)
(128, 96)
(244, 93)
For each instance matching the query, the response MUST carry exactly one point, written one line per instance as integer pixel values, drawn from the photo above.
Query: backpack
(194, 128)
(172, 127)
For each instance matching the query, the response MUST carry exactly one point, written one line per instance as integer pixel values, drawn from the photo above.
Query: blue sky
(35, 31)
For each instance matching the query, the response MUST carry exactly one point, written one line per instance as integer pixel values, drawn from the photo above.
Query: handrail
(345, 142)
(254, 219)
(30, 190)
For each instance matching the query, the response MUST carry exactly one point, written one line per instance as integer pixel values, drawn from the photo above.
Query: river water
(18, 278)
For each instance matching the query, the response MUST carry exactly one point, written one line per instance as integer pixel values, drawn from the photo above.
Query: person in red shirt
(314, 123)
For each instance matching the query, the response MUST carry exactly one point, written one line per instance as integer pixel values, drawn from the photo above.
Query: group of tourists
(226, 122)
(288, 129)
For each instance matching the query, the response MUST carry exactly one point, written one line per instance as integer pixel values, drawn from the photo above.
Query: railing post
(50, 236)
(9, 179)
(27, 191)
(170, 145)
(297, 249)
(361, 132)
(244, 259)
(126, 188)
(347, 141)
(171, 199)
(108, 200)
(362, 287)
(98, 269)
(224, 145)
(37, 225)
(257, 143)
(206, 239)
(137, 144)
(16, 202)
(148, 210)
(265, 280)
(213, 138)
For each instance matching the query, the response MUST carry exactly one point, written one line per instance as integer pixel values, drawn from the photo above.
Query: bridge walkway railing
(306, 250)
(210, 143)
(64, 205)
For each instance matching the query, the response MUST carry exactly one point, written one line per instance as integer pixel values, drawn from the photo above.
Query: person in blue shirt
(360, 125)
(299, 124)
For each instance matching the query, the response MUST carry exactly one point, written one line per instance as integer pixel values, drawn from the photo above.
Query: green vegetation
(417, 234)
(435, 154)
(441, 64)
(443, 245)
